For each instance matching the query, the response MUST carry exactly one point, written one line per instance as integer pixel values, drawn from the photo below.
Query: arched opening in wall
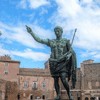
(78, 98)
(18, 96)
(43, 97)
(86, 98)
(31, 97)
(92, 98)
(6, 97)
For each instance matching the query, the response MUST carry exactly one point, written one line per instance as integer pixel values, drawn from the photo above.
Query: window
(6, 68)
(89, 85)
(26, 84)
(43, 84)
(34, 85)
(97, 83)
(6, 64)
(6, 72)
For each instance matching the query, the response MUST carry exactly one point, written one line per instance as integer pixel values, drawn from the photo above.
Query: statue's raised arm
(43, 41)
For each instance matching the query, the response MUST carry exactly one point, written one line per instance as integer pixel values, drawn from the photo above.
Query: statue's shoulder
(52, 42)
(66, 40)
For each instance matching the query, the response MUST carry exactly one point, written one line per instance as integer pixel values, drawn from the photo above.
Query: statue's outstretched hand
(29, 30)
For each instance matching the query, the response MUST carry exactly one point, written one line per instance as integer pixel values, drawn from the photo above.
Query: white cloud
(97, 56)
(67, 8)
(20, 34)
(90, 54)
(43, 11)
(33, 4)
(71, 14)
(37, 3)
(87, 1)
(23, 4)
(42, 32)
(27, 53)
(4, 51)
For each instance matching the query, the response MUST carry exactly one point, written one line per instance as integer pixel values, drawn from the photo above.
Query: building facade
(90, 80)
(24, 83)
(37, 84)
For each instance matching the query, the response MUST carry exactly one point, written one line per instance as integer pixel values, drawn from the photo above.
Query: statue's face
(58, 33)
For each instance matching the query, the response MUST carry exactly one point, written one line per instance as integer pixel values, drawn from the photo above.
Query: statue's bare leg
(66, 85)
(57, 88)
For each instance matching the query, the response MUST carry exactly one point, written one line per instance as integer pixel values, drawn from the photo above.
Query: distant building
(9, 69)
(24, 83)
(90, 80)
(29, 84)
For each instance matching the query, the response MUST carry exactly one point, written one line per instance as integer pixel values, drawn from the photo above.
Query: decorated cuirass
(58, 48)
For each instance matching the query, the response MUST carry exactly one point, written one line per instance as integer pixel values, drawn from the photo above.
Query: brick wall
(44, 82)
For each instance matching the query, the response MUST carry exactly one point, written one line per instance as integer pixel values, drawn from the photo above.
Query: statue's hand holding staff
(66, 55)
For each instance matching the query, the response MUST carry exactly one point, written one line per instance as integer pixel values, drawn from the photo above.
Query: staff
(73, 36)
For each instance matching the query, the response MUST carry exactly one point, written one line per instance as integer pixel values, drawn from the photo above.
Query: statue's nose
(57, 32)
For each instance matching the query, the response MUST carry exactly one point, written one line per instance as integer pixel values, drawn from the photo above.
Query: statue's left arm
(73, 63)
(72, 54)
(74, 69)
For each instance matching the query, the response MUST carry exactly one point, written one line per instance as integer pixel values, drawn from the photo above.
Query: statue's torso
(58, 48)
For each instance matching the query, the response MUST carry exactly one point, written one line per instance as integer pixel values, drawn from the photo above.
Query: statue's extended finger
(26, 26)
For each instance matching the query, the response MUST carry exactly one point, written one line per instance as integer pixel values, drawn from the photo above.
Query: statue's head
(58, 31)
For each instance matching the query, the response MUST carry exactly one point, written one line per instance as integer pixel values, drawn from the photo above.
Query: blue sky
(42, 16)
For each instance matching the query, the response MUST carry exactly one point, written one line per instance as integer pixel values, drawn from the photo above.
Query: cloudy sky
(42, 16)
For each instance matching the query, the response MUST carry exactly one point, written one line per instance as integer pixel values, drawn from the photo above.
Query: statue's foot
(71, 98)
(57, 98)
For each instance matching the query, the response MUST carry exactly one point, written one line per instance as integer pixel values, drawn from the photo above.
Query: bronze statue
(62, 60)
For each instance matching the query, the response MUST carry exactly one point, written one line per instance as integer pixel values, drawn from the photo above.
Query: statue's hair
(58, 27)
